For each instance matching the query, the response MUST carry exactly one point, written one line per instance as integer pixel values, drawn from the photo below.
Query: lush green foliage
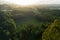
(53, 31)
(30, 32)
(29, 24)
(7, 27)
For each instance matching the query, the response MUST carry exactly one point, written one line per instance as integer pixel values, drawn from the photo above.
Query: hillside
(30, 22)
(40, 13)
(53, 31)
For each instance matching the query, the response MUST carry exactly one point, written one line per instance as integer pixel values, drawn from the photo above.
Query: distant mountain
(18, 7)
(39, 12)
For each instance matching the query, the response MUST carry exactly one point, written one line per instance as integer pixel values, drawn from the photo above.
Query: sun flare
(24, 2)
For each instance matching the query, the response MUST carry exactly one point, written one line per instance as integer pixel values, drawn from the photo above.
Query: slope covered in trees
(53, 31)
(7, 27)
(30, 23)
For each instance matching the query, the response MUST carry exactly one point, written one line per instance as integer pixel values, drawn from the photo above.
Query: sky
(39, 1)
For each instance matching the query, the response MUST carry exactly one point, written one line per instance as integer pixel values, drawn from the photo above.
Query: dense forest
(30, 24)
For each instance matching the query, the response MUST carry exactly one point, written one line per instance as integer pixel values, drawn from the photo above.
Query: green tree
(7, 27)
(30, 32)
(53, 31)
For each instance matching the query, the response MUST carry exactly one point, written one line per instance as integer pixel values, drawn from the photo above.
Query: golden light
(24, 2)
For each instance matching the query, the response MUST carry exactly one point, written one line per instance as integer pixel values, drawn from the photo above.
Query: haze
(39, 1)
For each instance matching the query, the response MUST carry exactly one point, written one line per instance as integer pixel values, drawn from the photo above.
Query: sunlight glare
(24, 2)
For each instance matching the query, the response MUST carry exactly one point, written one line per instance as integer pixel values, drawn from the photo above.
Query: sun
(24, 2)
